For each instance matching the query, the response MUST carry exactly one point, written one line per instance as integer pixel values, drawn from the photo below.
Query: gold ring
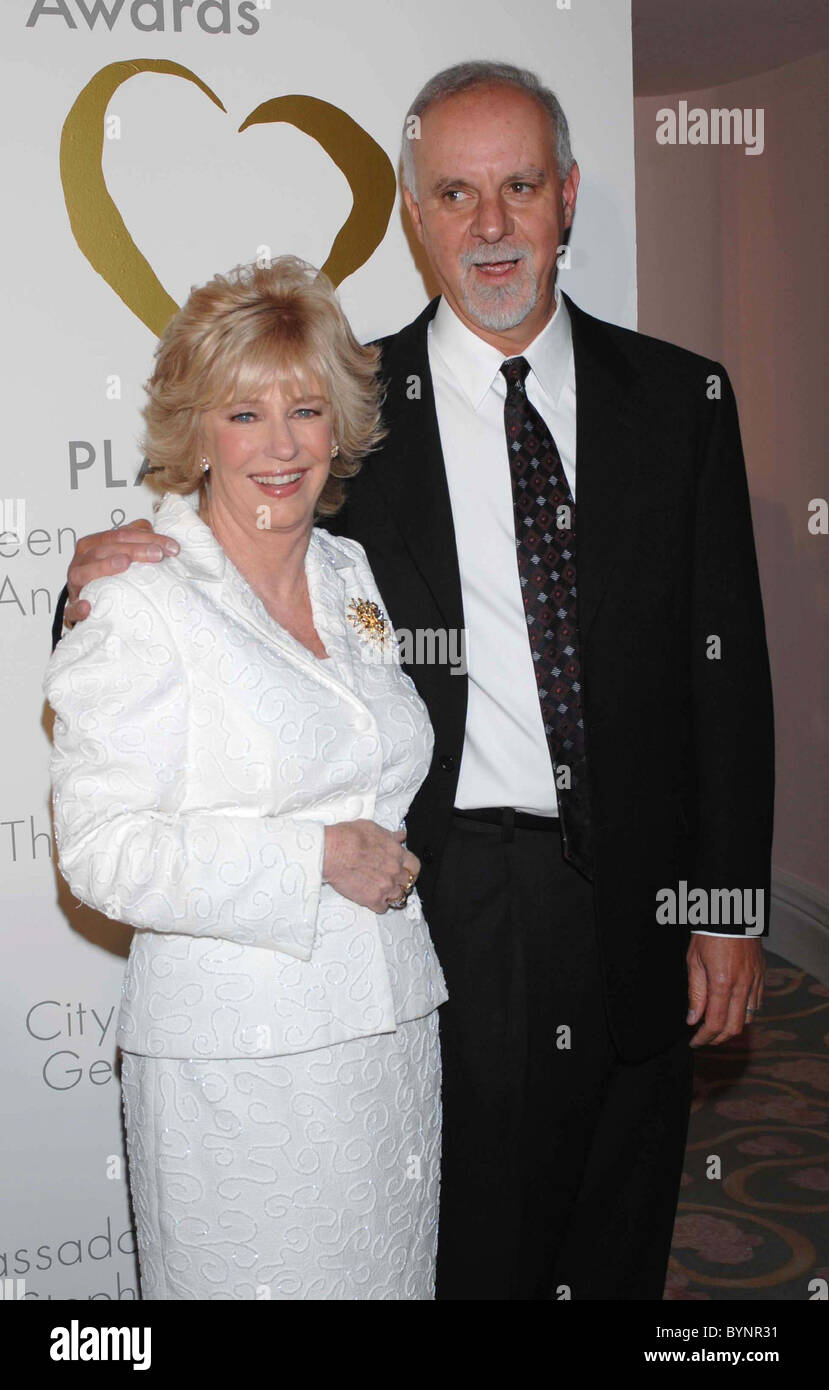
(404, 893)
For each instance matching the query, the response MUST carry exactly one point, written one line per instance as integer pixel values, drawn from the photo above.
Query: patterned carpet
(759, 1230)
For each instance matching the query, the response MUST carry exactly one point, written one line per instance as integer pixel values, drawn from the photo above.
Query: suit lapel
(330, 579)
(328, 573)
(607, 399)
(413, 478)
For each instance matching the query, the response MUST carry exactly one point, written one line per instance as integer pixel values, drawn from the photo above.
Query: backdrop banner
(148, 144)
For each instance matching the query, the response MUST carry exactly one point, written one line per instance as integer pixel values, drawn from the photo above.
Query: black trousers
(561, 1162)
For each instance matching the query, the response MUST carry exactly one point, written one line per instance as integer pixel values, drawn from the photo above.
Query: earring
(335, 449)
(205, 466)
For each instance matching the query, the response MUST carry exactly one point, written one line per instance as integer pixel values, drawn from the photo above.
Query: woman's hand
(367, 864)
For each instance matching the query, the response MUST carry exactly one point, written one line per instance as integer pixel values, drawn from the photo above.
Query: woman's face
(269, 459)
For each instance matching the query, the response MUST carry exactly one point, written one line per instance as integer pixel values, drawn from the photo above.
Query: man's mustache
(488, 255)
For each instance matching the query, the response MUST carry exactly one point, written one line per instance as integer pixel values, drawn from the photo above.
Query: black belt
(508, 818)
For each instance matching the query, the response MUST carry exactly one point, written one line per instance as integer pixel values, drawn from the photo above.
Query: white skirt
(310, 1176)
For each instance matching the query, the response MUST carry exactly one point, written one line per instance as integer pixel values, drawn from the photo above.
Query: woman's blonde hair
(230, 340)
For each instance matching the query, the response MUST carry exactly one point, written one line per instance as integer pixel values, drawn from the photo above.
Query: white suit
(199, 753)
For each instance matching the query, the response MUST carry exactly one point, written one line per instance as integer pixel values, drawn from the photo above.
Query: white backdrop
(196, 197)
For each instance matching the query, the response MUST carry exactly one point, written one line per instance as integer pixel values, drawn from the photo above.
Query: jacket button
(427, 854)
(447, 763)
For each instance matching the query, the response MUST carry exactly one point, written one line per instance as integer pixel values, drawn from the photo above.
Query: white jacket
(199, 752)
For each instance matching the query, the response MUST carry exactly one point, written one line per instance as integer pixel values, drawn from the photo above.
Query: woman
(236, 747)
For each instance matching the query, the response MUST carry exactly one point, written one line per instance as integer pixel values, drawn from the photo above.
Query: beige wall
(732, 253)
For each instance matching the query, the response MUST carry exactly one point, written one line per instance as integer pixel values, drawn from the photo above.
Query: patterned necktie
(545, 527)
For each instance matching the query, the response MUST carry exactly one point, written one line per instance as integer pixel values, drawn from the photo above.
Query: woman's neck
(272, 562)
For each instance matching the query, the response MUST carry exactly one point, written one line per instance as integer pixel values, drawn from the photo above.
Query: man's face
(491, 210)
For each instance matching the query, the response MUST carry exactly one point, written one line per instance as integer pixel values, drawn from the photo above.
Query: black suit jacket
(679, 742)
(679, 745)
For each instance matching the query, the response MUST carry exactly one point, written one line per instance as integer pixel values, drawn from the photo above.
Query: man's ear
(413, 209)
(569, 190)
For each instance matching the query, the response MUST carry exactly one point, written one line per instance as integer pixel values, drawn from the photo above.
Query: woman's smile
(280, 484)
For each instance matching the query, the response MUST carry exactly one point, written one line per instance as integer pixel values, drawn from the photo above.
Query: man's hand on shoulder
(725, 985)
(111, 552)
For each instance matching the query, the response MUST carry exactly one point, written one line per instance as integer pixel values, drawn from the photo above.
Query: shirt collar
(475, 364)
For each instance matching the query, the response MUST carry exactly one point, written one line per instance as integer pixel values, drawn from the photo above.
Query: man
(573, 495)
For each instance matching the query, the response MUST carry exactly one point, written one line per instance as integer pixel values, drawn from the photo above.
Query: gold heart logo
(100, 230)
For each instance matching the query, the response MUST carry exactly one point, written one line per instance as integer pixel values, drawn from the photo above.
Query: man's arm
(57, 621)
(106, 552)
(734, 732)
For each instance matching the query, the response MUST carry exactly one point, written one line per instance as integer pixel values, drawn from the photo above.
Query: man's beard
(498, 307)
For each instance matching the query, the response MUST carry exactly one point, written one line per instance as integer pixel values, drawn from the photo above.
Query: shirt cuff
(729, 935)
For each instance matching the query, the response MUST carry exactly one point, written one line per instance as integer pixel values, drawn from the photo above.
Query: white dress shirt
(506, 760)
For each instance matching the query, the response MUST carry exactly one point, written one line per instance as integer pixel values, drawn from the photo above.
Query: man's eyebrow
(441, 185)
(521, 176)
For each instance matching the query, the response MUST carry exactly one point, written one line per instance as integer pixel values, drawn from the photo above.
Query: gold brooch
(370, 622)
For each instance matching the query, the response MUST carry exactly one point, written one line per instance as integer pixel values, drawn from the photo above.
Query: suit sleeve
(731, 683)
(57, 622)
(127, 842)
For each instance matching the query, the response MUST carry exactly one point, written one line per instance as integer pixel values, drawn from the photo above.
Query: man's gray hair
(463, 77)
